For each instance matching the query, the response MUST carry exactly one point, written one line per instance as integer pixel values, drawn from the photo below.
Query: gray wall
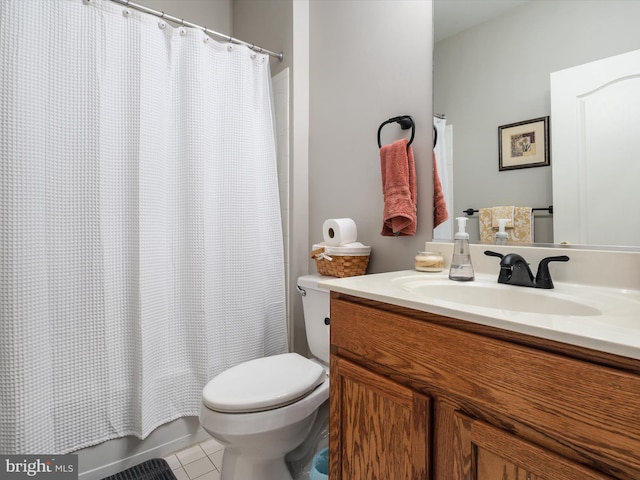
(267, 23)
(357, 63)
(213, 14)
(498, 73)
(370, 61)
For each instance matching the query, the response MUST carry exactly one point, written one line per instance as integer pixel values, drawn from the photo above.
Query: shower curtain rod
(182, 21)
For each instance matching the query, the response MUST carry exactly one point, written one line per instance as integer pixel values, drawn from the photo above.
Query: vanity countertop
(599, 318)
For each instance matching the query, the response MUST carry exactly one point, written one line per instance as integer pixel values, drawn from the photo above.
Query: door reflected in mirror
(497, 72)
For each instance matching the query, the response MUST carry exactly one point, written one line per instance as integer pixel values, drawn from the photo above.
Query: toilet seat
(263, 384)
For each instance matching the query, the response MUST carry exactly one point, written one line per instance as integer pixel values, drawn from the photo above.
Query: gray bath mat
(154, 469)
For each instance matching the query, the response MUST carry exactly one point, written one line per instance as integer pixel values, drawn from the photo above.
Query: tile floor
(198, 462)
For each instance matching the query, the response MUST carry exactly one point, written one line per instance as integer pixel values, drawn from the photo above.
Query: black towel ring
(405, 122)
(435, 136)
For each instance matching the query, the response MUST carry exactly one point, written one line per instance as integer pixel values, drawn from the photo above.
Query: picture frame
(524, 144)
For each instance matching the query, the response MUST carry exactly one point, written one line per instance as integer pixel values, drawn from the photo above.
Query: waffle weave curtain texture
(140, 234)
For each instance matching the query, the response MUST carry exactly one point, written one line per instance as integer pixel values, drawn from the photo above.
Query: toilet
(262, 409)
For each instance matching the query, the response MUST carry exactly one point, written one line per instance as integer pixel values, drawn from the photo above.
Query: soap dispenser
(501, 235)
(461, 268)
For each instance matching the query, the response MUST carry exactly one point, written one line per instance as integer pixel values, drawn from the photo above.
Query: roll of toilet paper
(339, 231)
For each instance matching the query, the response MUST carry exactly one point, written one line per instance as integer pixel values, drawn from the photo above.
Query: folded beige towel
(520, 230)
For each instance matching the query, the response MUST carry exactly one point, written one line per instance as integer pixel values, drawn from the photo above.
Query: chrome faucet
(514, 270)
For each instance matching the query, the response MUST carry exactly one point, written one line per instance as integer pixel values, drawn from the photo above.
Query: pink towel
(399, 188)
(440, 213)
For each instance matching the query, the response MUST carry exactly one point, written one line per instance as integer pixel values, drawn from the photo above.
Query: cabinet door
(483, 452)
(379, 429)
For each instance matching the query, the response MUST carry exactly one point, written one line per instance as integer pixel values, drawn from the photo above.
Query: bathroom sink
(595, 317)
(496, 296)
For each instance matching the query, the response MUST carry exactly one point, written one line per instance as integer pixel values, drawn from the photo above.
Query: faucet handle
(543, 277)
(514, 270)
(505, 272)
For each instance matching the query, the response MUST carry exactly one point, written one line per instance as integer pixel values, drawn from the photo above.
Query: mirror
(492, 66)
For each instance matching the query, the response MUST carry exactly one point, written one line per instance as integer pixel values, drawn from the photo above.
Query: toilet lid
(263, 384)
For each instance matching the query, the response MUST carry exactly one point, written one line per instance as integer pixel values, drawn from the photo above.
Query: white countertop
(607, 319)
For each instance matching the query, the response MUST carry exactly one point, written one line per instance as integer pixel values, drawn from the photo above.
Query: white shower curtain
(141, 246)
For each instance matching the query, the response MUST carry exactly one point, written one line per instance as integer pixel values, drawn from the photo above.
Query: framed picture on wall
(524, 144)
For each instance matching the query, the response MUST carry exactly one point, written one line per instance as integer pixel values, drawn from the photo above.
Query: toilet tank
(315, 304)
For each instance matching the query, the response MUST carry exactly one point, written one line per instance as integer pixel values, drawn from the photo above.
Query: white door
(595, 122)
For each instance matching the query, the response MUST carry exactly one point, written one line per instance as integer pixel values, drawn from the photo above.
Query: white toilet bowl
(263, 409)
(256, 442)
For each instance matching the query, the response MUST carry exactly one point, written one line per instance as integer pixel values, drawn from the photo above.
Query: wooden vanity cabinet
(415, 395)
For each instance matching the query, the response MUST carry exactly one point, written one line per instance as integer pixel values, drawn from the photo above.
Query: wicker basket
(337, 265)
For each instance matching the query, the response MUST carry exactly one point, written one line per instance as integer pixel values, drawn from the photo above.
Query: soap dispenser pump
(501, 235)
(461, 267)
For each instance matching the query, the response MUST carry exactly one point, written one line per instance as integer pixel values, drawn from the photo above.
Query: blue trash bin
(320, 466)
